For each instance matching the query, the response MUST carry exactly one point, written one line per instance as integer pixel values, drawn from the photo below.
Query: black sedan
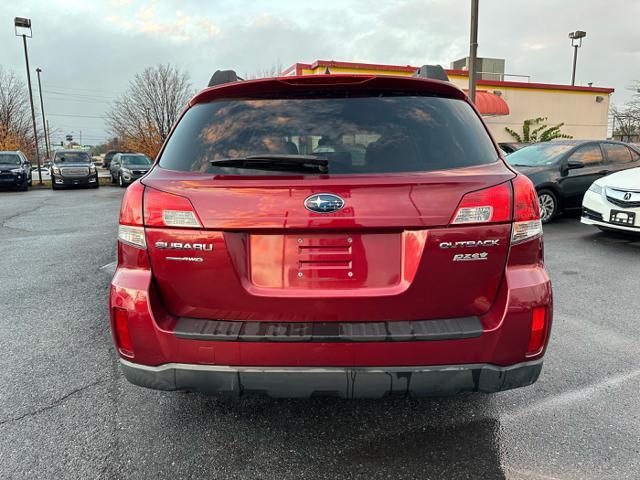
(562, 171)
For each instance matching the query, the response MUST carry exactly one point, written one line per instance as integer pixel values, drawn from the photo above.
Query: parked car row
(70, 168)
(563, 171)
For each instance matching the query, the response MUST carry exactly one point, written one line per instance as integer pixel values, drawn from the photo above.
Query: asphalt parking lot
(66, 412)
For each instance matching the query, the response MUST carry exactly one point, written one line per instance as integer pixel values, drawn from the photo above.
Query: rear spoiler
(433, 72)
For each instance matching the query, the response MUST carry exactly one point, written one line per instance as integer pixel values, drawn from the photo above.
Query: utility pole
(26, 23)
(44, 122)
(473, 50)
(575, 60)
(49, 140)
(80, 137)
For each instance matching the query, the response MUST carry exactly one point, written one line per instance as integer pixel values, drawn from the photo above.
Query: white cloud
(101, 45)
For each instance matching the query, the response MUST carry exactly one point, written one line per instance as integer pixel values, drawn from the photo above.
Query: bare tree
(626, 118)
(15, 118)
(143, 116)
(273, 71)
(626, 122)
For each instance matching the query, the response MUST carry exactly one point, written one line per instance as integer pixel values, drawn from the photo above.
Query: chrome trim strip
(320, 370)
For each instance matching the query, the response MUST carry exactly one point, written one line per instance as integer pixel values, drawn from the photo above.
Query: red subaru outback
(341, 235)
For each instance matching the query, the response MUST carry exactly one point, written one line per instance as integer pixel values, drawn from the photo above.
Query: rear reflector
(163, 209)
(526, 211)
(132, 236)
(123, 339)
(491, 205)
(538, 324)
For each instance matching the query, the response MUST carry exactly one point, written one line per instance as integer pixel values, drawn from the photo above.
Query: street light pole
(44, 122)
(49, 140)
(473, 50)
(25, 23)
(575, 60)
(576, 42)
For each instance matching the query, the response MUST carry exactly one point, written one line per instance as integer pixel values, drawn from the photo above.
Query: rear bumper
(343, 382)
(432, 357)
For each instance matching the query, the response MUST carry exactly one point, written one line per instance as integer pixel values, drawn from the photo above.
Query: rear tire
(548, 205)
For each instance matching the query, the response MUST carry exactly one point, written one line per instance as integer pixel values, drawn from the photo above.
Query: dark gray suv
(73, 168)
(128, 167)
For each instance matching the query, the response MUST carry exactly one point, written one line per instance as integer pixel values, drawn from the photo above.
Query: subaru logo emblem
(323, 203)
(627, 196)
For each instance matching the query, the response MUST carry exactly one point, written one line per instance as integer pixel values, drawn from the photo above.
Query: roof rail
(223, 76)
(434, 72)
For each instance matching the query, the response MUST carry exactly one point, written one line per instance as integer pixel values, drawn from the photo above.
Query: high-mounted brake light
(526, 211)
(491, 205)
(538, 327)
(163, 209)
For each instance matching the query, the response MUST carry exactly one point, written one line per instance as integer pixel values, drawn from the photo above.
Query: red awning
(491, 104)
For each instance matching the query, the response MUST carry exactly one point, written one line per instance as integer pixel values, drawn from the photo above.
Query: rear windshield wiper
(294, 163)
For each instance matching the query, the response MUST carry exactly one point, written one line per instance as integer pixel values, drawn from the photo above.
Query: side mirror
(573, 164)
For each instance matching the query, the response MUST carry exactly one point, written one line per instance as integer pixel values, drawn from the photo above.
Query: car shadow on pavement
(453, 437)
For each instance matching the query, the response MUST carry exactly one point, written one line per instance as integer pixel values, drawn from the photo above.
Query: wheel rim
(120, 181)
(547, 206)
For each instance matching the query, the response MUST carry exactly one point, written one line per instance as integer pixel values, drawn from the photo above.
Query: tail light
(526, 211)
(121, 332)
(163, 209)
(491, 205)
(538, 330)
(131, 230)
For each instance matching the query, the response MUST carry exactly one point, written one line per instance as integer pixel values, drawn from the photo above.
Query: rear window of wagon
(361, 135)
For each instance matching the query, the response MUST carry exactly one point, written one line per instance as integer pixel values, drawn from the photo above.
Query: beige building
(583, 110)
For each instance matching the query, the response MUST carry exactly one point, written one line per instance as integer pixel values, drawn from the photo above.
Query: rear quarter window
(617, 153)
(381, 134)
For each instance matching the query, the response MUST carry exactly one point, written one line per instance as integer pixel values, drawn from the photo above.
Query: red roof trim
(545, 86)
(408, 68)
(376, 66)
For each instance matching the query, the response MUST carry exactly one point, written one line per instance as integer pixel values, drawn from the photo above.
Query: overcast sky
(88, 50)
